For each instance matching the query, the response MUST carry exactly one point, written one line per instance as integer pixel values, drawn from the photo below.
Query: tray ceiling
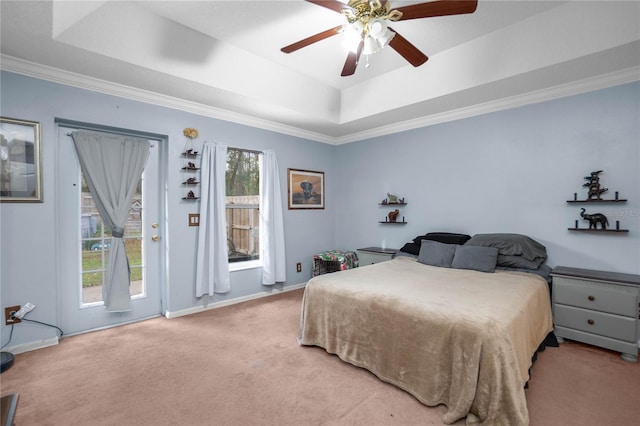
(223, 59)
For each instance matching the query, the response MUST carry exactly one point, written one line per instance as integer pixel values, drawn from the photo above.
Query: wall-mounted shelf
(597, 230)
(190, 154)
(190, 166)
(392, 217)
(594, 196)
(596, 201)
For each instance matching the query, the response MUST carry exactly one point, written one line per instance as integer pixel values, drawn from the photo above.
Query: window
(96, 241)
(243, 205)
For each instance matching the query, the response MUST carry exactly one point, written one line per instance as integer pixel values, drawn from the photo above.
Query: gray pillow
(478, 258)
(519, 262)
(510, 245)
(436, 254)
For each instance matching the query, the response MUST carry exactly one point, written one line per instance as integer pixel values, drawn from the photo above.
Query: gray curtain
(112, 166)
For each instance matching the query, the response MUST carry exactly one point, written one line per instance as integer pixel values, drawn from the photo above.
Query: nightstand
(597, 307)
(371, 255)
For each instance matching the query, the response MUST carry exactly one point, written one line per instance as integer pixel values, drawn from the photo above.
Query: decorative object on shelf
(595, 219)
(396, 200)
(393, 216)
(593, 183)
(190, 196)
(594, 193)
(305, 189)
(20, 170)
(190, 164)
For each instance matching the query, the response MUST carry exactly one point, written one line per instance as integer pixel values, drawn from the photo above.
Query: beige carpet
(240, 365)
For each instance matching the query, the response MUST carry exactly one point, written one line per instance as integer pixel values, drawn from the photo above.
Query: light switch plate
(194, 219)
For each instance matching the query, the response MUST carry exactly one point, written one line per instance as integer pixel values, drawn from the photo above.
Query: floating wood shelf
(191, 168)
(190, 198)
(392, 204)
(597, 230)
(596, 201)
(190, 183)
(394, 223)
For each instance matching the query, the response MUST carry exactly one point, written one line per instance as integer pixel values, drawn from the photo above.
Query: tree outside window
(242, 205)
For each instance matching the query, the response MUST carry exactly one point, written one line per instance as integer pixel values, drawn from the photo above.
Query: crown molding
(43, 72)
(577, 87)
(68, 78)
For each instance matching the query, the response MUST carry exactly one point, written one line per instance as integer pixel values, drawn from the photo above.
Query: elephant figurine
(594, 219)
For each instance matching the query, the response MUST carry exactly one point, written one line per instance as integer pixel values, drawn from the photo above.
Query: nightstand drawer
(368, 258)
(614, 299)
(613, 326)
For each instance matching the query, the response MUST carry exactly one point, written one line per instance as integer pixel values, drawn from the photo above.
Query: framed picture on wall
(20, 174)
(306, 189)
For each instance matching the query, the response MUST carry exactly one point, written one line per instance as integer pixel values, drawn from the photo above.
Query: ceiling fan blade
(407, 50)
(334, 5)
(352, 61)
(437, 8)
(310, 40)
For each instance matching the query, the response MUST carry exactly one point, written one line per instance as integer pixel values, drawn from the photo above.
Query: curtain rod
(253, 151)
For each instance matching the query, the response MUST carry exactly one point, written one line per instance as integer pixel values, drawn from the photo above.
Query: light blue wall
(510, 171)
(28, 268)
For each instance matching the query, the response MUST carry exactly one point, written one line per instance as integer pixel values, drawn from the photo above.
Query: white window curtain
(212, 263)
(112, 166)
(272, 251)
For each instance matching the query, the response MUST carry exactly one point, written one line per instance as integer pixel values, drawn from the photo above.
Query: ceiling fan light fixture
(371, 46)
(383, 37)
(353, 35)
(377, 27)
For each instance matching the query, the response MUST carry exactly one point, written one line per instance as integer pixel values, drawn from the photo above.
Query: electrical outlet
(299, 267)
(8, 312)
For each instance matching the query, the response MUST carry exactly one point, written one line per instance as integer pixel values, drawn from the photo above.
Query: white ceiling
(223, 59)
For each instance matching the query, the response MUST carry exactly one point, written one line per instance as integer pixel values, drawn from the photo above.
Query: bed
(448, 335)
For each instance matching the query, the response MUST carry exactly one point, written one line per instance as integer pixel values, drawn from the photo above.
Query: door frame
(161, 144)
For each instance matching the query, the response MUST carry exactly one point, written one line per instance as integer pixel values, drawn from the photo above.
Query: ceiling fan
(367, 29)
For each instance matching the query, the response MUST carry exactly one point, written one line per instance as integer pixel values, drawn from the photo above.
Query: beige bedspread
(447, 336)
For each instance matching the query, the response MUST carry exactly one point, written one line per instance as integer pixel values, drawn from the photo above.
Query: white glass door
(84, 245)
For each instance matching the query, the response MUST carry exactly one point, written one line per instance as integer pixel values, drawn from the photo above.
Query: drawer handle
(592, 298)
(590, 321)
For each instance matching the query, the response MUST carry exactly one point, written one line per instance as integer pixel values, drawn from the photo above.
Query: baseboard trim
(222, 303)
(32, 346)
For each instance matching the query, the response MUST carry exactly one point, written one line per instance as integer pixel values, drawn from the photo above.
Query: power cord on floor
(40, 322)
